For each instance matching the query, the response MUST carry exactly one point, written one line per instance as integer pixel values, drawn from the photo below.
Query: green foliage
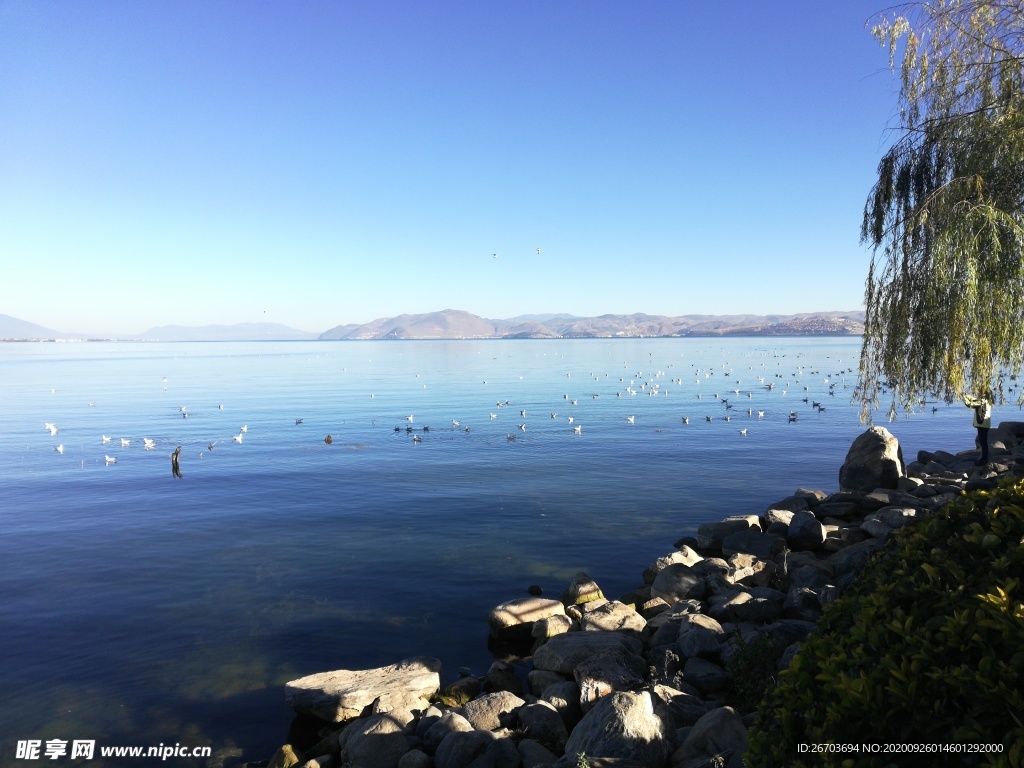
(752, 671)
(944, 299)
(927, 647)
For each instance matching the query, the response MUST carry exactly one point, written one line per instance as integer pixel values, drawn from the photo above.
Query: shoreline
(582, 670)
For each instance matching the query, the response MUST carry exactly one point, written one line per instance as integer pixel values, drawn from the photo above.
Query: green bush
(926, 648)
(752, 671)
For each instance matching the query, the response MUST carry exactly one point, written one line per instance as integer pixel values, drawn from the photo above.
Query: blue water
(139, 608)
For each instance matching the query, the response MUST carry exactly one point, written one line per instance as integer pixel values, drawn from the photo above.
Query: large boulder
(347, 694)
(563, 652)
(875, 460)
(515, 618)
(622, 725)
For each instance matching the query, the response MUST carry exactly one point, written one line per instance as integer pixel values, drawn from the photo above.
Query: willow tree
(944, 297)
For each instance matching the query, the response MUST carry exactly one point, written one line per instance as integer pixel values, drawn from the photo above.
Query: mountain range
(457, 324)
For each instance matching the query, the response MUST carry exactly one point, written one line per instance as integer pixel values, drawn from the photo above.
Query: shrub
(927, 647)
(752, 671)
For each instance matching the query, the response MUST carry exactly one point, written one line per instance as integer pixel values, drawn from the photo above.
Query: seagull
(554, 415)
(686, 419)
(408, 418)
(760, 414)
(522, 427)
(298, 421)
(244, 428)
(148, 444)
(510, 437)
(125, 442)
(494, 415)
(59, 448)
(110, 459)
(417, 439)
(578, 430)
(455, 423)
(210, 446)
(105, 439)
(51, 427)
(220, 407)
(743, 432)
(522, 413)
(570, 419)
(237, 438)
(631, 419)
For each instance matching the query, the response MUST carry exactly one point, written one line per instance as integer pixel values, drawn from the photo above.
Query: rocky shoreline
(642, 681)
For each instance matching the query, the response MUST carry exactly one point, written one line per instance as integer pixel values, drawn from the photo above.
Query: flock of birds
(728, 400)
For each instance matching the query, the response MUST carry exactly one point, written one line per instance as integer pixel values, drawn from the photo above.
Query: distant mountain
(237, 332)
(13, 329)
(456, 324)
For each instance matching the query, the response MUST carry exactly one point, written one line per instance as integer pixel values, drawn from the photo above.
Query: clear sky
(317, 163)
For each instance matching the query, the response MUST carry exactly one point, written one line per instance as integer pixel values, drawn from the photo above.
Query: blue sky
(320, 163)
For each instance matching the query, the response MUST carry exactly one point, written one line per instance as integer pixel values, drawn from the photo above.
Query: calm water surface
(140, 609)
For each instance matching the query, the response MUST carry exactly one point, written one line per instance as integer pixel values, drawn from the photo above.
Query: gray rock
(502, 676)
(565, 698)
(684, 555)
(773, 516)
(607, 671)
(706, 676)
(790, 504)
(805, 532)
(460, 748)
(873, 461)
(540, 680)
(699, 635)
(757, 609)
(377, 742)
(347, 694)
(551, 626)
(622, 725)
(876, 528)
(710, 535)
(802, 603)
(851, 559)
(719, 732)
(449, 722)
(684, 708)
(840, 509)
(544, 723)
(517, 616)
(897, 517)
(611, 617)
(761, 545)
(582, 589)
(563, 652)
(415, 758)
(535, 754)
(678, 582)
(492, 710)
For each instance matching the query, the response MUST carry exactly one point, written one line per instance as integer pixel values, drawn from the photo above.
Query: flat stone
(750, 542)
(522, 611)
(346, 694)
(563, 652)
(611, 617)
(710, 535)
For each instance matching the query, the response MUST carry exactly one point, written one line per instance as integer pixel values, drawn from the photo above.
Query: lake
(140, 608)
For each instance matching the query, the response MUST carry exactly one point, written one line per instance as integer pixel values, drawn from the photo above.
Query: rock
(849, 560)
(565, 698)
(840, 509)
(534, 754)
(699, 635)
(613, 616)
(622, 725)
(458, 749)
(684, 555)
(805, 532)
(449, 722)
(492, 710)
(502, 676)
(777, 516)
(582, 589)
(377, 742)
(876, 528)
(678, 582)
(710, 535)
(607, 671)
(706, 676)
(873, 461)
(760, 545)
(551, 626)
(542, 722)
(803, 604)
(563, 652)
(540, 679)
(347, 694)
(757, 609)
(415, 758)
(685, 708)
(790, 504)
(516, 617)
(719, 732)
(285, 757)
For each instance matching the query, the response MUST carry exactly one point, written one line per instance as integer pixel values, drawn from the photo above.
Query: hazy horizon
(327, 164)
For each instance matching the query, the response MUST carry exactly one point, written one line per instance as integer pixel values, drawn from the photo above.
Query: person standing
(982, 421)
